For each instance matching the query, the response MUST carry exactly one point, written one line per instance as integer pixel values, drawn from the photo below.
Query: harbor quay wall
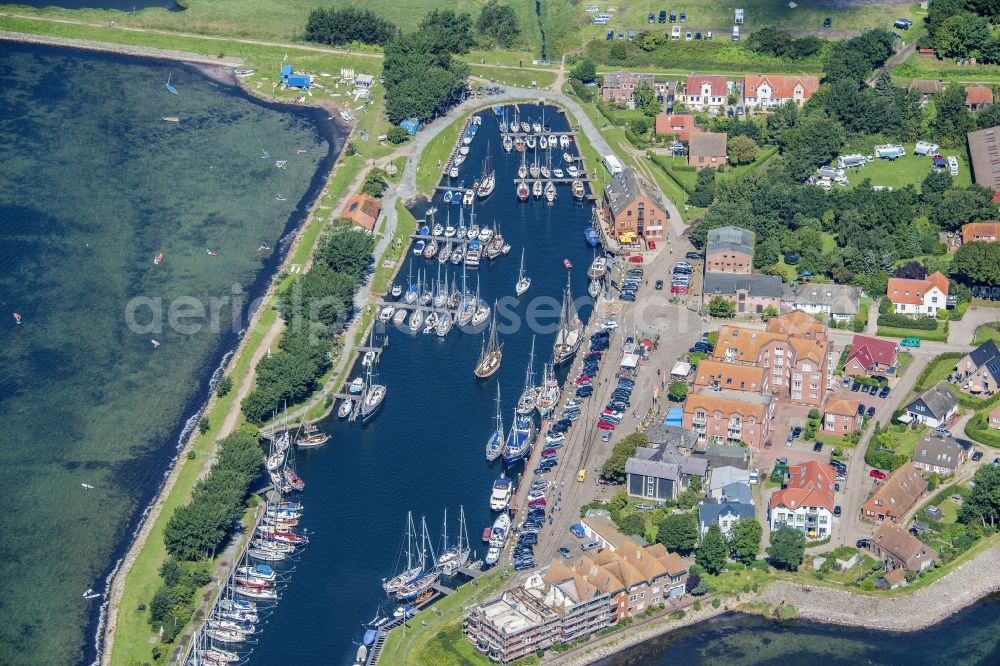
(122, 49)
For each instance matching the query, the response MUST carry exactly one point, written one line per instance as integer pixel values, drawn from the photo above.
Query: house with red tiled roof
(806, 502)
(705, 92)
(893, 498)
(769, 90)
(870, 356)
(840, 415)
(919, 297)
(679, 125)
(978, 97)
(981, 232)
(363, 210)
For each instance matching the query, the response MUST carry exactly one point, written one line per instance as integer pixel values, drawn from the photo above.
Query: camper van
(832, 173)
(612, 164)
(736, 33)
(926, 148)
(889, 151)
(676, 32)
(739, 17)
(852, 161)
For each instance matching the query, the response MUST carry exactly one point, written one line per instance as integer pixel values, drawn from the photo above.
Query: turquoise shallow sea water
(93, 185)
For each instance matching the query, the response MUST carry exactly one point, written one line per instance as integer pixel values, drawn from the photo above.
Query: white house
(806, 502)
(934, 407)
(705, 92)
(919, 297)
(765, 91)
(837, 301)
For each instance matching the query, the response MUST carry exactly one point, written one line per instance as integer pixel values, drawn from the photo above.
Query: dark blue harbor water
(425, 450)
(93, 185)
(967, 638)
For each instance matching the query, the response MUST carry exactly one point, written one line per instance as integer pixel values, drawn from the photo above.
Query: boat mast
(463, 537)
(520, 273)
(529, 373)
(499, 417)
(444, 531)
(410, 529)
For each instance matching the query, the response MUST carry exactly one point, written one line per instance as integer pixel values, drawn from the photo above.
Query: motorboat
(397, 289)
(449, 231)
(473, 253)
(453, 173)
(557, 173)
(438, 230)
(564, 141)
(572, 171)
(530, 142)
(358, 384)
(345, 408)
(543, 143)
(385, 316)
(473, 232)
(568, 159)
(508, 143)
(503, 490)
(468, 197)
(430, 322)
(448, 196)
(579, 192)
(400, 317)
(418, 247)
(536, 127)
(525, 127)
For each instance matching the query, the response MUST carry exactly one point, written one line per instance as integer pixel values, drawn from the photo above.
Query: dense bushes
(421, 78)
(880, 452)
(773, 42)
(315, 306)
(614, 467)
(350, 24)
(905, 321)
(197, 529)
(172, 605)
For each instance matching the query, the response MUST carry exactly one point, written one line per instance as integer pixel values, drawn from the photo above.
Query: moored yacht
(495, 444)
(503, 490)
(519, 440)
(548, 395)
(570, 332)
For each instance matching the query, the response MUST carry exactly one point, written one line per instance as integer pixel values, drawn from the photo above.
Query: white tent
(630, 361)
(680, 369)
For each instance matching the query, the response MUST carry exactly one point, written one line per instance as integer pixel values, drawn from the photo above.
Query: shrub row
(903, 321)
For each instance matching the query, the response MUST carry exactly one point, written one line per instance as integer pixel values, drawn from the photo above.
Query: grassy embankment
(917, 66)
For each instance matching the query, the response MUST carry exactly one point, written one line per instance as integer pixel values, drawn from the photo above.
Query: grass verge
(937, 335)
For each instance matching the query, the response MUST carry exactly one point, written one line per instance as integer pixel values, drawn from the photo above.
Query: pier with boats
(494, 394)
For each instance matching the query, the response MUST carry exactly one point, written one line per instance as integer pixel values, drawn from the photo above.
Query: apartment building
(730, 416)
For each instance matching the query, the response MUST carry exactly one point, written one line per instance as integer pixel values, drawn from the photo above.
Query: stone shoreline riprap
(962, 587)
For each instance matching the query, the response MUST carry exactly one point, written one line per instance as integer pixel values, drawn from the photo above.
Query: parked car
(684, 17)
(659, 285)
(590, 545)
(847, 381)
(861, 409)
(563, 550)
(870, 412)
(855, 387)
(836, 511)
(884, 393)
(817, 447)
(902, 24)
(663, 16)
(977, 456)
(796, 432)
(789, 441)
(862, 543)
(651, 18)
(827, 22)
(910, 342)
(693, 255)
(877, 474)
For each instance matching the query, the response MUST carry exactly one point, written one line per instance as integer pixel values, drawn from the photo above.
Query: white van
(736, 33)
(676, 32)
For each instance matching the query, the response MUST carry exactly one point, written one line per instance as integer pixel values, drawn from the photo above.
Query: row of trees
(961, 29)
(778, 43)
(316, 306)
(197, 529)
(679, 532)
(497, 25)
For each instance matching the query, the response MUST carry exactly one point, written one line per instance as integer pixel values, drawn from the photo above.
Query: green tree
(704, 188)
(977, 263)
(721, 307)
(633, 524)
(745, 539)
(349, 24)
(645, 100)
(421, 78)
(204, 425)
(640, 126)
(678, 391)
(614, 467)
(982, 505)
(650, 41)
(770, 312)
(742, 150)
(678, 532)
(224, 387)
(617, 52)
(498, 24)
(961, 35)
(788, 547)
(585, 71)
(451, 31)
(711, 553)
(397, 135)
(345, 249)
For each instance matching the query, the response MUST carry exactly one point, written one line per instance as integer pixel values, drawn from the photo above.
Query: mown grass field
(286, 20)
(937, 335)
(908, 170)
(917, 66)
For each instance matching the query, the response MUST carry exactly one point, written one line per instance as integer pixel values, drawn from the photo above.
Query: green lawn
(908, 170)
(718, 15)
(434, 156)
(939, 369)
(917, 66)
(906, 439)
(904, 360)
(937, 335)
(987, 332)
(513, 76)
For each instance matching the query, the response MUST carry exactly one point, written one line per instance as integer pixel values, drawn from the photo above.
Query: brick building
(632, 204)
(729, 416)
(729, 250)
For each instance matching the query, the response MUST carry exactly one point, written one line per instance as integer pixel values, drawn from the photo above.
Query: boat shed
(411, 125)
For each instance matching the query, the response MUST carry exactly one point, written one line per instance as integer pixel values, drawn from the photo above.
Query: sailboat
(534, 169)
(494, 445)
(523, 281)
(489, 178)
(519, 440)
(523, 191)
(526, 403)
(536, 189)
(522, 169)
(408, 574)
(374, 396)
(508, 143)
(570, 333)
(550, 192)
(548, 395)
(311, 437)
(453, 558)
(170, 89)
(490, 355)
(428, 575)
